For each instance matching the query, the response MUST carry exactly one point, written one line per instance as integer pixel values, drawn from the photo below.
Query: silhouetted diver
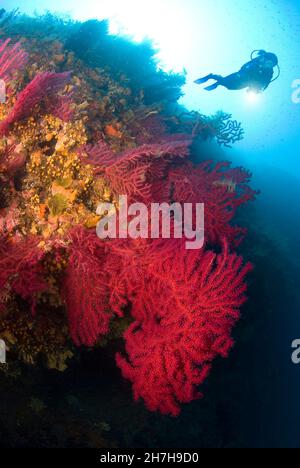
(256, 75)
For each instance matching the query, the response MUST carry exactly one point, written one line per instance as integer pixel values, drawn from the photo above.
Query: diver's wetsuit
(256, 75)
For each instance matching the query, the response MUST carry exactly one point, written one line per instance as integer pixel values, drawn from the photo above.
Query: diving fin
(203, 80)
(212, 87)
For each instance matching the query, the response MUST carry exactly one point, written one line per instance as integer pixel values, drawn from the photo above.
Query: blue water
(218, 36)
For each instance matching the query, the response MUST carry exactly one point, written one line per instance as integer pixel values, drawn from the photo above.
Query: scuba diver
(255, 75)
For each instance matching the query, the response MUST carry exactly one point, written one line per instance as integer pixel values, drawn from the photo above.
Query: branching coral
(71, 141)
(21, 269)
(42, 90)
(85, 288)
(220, 126)
(12, 159)
(133, 172)
(228, 131)
(221, 189)
(12, 58)
(183, 320)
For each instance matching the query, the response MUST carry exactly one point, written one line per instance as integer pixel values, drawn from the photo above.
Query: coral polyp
(74, 135)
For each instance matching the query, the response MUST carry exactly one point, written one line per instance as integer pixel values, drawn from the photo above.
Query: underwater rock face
(73, 139)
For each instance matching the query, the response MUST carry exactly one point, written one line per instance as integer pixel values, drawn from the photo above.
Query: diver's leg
(234, 82)
(206, 78)
(219, 80)
(212, 87)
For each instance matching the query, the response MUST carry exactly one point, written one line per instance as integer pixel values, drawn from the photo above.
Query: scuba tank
(271, 56)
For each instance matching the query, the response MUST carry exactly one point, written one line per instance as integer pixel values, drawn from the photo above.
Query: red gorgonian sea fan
(162, 173)
(85, 290)
(12, 58)
(43, 89)
(12, 159)
(222, 190)
(183, 303)
(133, 172)
(184, 306)
(21, 269)
(182, 317)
